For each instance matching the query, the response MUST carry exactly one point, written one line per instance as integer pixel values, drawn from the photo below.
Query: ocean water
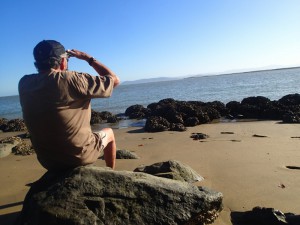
(272, 84)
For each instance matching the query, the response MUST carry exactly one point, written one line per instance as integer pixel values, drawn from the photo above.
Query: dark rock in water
(93, 195)
(233, 108)
(257, 101)
(219, 108)
(254, 107)
(112, 119)
(191, 122)
(265, 216)
(258, 107)
(12, 125)
(291, 117)
(156, 124)
(105, 115)
(96, 117)
(171, 169)
(3, 123)
(170, 113)
(291, 99)
(125, 154)
(189, 109)
(209, 115)
(167, 101)
(136, 112)
(273, 111)
(189, 113)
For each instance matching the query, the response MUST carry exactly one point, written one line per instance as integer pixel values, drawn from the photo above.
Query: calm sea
(272, 84)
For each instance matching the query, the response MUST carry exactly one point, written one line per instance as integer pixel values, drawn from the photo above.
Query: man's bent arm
(100, 68)
(103, 70)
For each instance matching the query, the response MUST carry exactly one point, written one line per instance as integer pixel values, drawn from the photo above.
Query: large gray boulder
(5, 149)
(171, 169)
(93, 195)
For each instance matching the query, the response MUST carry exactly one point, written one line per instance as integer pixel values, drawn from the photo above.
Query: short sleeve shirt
(57, 111)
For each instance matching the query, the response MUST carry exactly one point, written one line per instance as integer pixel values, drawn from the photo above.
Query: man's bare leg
(110, 147)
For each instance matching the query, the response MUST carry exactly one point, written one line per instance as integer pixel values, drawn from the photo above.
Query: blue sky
(141, 39)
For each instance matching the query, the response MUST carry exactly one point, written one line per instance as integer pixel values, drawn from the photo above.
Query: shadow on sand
(10, 218)
(264, 216)
(140, 130)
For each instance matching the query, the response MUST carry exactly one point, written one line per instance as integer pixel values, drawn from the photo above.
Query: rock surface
(12, 125)
(16, 145)
(5, 149)
(199, 136)
(7, 144)
(93, 195)
(265, 216)
(125, 154)
(101, 117)
(171, 169)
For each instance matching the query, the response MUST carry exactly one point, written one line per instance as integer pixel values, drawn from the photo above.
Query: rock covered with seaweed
(170, 114)
(175, 115)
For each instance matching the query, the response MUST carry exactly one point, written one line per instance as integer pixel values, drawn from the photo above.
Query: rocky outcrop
(170, 114)
(136, 112)
(12, 125)
(23, 148)
(291, 117)
(95, 117)
(171, 169)
(93, 195)
(15, 145)
(260, 107)
(101, 117)
(112, 119)
(156, 124)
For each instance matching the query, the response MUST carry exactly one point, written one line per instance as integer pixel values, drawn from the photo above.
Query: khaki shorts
(104, 141)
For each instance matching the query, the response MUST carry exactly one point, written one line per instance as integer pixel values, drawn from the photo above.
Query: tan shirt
(57, 111)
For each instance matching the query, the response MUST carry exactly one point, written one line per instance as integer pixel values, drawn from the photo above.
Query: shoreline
(246, 161)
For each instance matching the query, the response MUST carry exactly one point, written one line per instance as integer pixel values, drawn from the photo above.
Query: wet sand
(246, 161)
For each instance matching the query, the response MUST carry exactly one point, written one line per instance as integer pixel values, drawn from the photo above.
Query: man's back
(56, 109)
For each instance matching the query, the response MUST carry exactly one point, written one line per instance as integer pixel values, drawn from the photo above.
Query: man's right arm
(100, 68)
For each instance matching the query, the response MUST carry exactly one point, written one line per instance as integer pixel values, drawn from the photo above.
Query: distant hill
(244, 71)
(157, 79)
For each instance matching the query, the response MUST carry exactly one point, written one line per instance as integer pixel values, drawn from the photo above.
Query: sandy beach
(246, 161)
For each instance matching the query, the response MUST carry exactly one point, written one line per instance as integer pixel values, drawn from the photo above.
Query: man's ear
(63, 64)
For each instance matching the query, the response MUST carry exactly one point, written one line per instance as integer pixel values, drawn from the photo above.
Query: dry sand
(248, 169)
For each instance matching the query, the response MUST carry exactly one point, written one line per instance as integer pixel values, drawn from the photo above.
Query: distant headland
(160, 79)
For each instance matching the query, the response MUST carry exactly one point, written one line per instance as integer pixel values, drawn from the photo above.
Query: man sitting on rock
(57, 111)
